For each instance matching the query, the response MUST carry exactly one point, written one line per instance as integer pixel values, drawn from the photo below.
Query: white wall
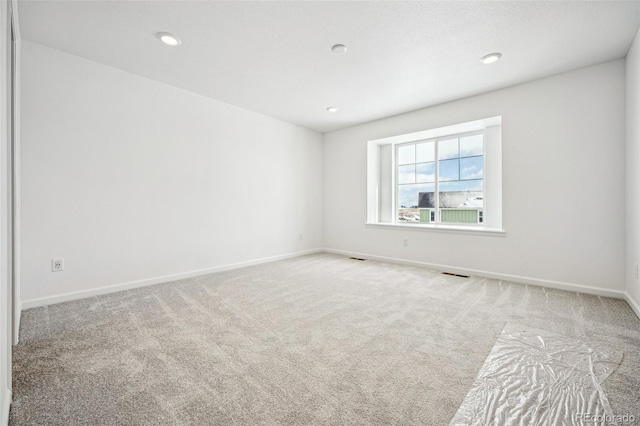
(129, 179)
(633, 169)
(563, 183)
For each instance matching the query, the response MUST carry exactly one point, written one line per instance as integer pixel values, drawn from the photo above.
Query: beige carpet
(319, 339)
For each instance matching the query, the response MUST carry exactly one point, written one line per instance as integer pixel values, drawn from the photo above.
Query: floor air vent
(455, 275)
(357, 258)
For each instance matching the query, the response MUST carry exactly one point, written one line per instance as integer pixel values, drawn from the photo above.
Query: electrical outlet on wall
(57, 264)
(405, 242)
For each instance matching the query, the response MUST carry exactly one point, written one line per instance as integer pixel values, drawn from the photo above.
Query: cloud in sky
(471, 145)
(471, 168)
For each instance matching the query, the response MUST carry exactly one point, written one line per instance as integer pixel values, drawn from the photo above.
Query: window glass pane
(407, 154)
(448, 170)
(425, 152)
(471, 167)
(411, 198)
(471, 145)
(407, 174)
(426, 172)
(448, 149)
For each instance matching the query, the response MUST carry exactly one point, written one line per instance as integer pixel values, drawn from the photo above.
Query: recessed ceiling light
(169, 39)
(339, 49)
(332, 109)
(491, 58)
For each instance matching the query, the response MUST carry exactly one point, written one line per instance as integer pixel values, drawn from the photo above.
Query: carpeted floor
(319, 339)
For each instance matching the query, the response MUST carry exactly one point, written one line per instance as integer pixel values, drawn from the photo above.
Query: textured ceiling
(275, 57)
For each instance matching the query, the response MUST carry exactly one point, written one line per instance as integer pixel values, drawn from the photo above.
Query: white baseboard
(632, 303)
(498, 276)
(6, 406)
(82, 294)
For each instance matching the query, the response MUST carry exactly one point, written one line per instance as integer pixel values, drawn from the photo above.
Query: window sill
(472, 230)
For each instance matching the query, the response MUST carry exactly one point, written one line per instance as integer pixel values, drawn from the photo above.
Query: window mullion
(437, 184)
(394, 184)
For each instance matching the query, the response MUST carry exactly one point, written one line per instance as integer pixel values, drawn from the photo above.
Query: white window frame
(382, 187)
(436, 182)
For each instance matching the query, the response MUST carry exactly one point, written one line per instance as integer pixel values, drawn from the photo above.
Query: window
(441, 180)
(448, 177)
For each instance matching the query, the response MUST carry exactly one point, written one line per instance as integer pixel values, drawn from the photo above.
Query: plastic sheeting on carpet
(537, 377)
